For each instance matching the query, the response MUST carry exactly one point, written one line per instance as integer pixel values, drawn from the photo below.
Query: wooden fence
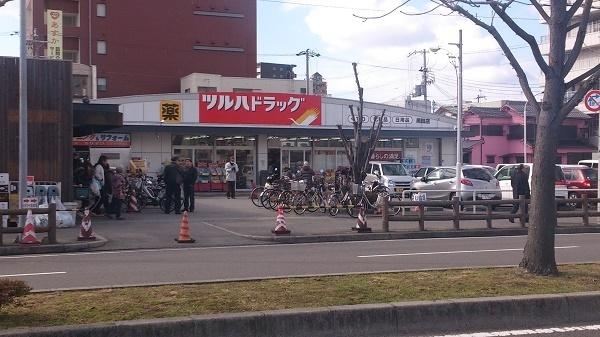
(457, 216)
(50, 229)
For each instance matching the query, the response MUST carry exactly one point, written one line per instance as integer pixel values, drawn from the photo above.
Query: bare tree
(562, 17)
(3, 2)
(359, 151)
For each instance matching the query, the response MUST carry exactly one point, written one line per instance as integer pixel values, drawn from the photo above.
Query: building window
(207, 89)
(303, 90)
(79, 83)
(493, 130)
(490, 159)
(102, 84)
(70, 19)
(71, 55)
(242, 90)
(101, 10)
(187, 91)
(101, 47)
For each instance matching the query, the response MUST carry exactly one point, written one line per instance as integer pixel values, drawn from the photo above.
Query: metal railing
(457, 216)
(50, 229)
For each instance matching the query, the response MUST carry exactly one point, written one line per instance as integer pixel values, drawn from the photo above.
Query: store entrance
(274, 161)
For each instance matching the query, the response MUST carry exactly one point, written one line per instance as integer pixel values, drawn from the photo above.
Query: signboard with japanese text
(260, 108)
(386, 155)
(54, 22)
(104, 140)
(170, 112)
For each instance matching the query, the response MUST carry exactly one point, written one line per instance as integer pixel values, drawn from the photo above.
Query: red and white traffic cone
(29, 237)
(184, 230)
(280, 227)
(361, 221)
(133, 204)
(86, 233)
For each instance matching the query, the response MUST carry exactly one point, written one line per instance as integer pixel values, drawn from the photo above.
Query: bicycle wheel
(334, 203)
(285, 199)
(300, 203)
(273, 200)
(394, 210)
(255, 196)
(352, 205)
(314, 202)
(163, 207)
(264, 198)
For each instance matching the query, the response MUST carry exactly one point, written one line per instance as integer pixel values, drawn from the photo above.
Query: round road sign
(592, 100)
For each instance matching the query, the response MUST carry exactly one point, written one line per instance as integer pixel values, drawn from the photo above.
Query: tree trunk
(538, 257)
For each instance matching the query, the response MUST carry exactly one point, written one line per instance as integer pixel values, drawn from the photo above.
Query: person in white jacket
(231, 169)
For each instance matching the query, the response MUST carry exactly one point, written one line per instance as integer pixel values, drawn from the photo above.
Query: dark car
(581, 180)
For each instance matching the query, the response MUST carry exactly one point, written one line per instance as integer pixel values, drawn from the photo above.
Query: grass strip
(94, 306)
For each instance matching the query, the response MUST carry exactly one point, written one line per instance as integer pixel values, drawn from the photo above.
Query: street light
(308, 53)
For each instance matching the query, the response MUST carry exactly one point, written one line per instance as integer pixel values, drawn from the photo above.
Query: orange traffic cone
(280, 227)
(86, 233)
(361, 221)
(29, 237)
(184, 230)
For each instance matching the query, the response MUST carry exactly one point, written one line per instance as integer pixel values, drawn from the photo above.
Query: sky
(381, 47)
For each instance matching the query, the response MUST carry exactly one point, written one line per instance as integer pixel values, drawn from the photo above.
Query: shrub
(11, 289)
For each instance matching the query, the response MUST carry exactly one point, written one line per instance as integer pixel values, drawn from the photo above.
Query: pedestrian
(173, 176)
(190, 176)
(519, 181)
(100, 182)
(119, 183)
(231, 169)
(307, 174)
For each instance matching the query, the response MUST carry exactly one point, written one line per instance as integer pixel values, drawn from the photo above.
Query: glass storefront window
(245, 161)
(223, 156)
(184, 153)
(200, 140)
(235, 141)
(202, 156)
(324, 160)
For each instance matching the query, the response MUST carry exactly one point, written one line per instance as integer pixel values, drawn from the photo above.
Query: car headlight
(390, 183)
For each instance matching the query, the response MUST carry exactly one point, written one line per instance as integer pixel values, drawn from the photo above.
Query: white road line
(35, 274)
(460, 252)
(526, 332)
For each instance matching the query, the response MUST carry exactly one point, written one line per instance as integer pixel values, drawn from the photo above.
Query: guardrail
(50, 229)
(488, 216)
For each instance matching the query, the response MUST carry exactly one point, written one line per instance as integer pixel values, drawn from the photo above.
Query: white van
(593, 163)
(393, 175)
(506, 172)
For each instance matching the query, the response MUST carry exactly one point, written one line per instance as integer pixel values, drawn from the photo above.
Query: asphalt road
(155, 266)
(570, 331)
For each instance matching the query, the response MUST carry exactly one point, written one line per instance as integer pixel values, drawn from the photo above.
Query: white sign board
(54, 21)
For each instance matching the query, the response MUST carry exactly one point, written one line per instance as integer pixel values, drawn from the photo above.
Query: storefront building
(264, 131)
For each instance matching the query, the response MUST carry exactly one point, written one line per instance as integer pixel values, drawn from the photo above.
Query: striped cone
(29, 237)
(280, 227)
(184, 230)
(361, 221)
(86, 233)
(133, 204)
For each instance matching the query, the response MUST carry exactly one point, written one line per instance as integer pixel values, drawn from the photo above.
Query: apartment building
(145, 46)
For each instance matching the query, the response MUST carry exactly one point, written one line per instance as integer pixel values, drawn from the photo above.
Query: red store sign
(104, 140)
(260, 108)
(386, 155)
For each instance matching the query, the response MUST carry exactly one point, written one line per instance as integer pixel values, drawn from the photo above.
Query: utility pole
(308, 53)
(479, 97)
(23, 156)
(459, 116)
(424, 69)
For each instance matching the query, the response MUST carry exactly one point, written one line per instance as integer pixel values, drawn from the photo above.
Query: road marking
(526, 332)
(35, 274)
(460, 252)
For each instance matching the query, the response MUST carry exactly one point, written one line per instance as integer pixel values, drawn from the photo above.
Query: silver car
(476, 182)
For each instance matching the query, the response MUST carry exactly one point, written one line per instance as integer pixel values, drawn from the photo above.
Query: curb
(57, 248)
(458, 233)
(387, 319)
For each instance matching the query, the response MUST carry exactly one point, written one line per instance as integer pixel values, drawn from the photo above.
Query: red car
(581, 179)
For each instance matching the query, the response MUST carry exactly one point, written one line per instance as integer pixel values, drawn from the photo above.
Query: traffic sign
(592, 100)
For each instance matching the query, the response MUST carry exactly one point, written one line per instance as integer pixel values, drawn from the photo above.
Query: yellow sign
(54, 22)
(170, 112)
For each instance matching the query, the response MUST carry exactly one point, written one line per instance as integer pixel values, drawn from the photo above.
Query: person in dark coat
(307, 174)
(190, 176)
(173, 175)
(520, 186)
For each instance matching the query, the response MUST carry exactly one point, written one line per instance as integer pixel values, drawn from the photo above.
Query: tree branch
(579, 40)
(582, 77)
(578, 96)
(505, 48)
(3, 2)
(541, 10)
(531, 41)
(573, 9)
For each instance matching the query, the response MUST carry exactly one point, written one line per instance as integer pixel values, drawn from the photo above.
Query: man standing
(520, 186)
(231, 169)
(189, 179)
(307, 174)
(173, 176)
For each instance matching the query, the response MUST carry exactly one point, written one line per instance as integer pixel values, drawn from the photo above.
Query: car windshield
(477, 173)
(393, 170)
(590, 174)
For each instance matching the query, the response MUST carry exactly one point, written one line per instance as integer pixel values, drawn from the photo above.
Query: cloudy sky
(380, 46)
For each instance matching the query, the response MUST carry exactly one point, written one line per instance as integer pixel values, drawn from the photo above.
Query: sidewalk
(222, 222)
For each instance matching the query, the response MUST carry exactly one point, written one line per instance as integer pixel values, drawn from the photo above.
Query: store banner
(54, 21)
(111, 140)
(170, 111)
(386, 155)
(260, 108)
